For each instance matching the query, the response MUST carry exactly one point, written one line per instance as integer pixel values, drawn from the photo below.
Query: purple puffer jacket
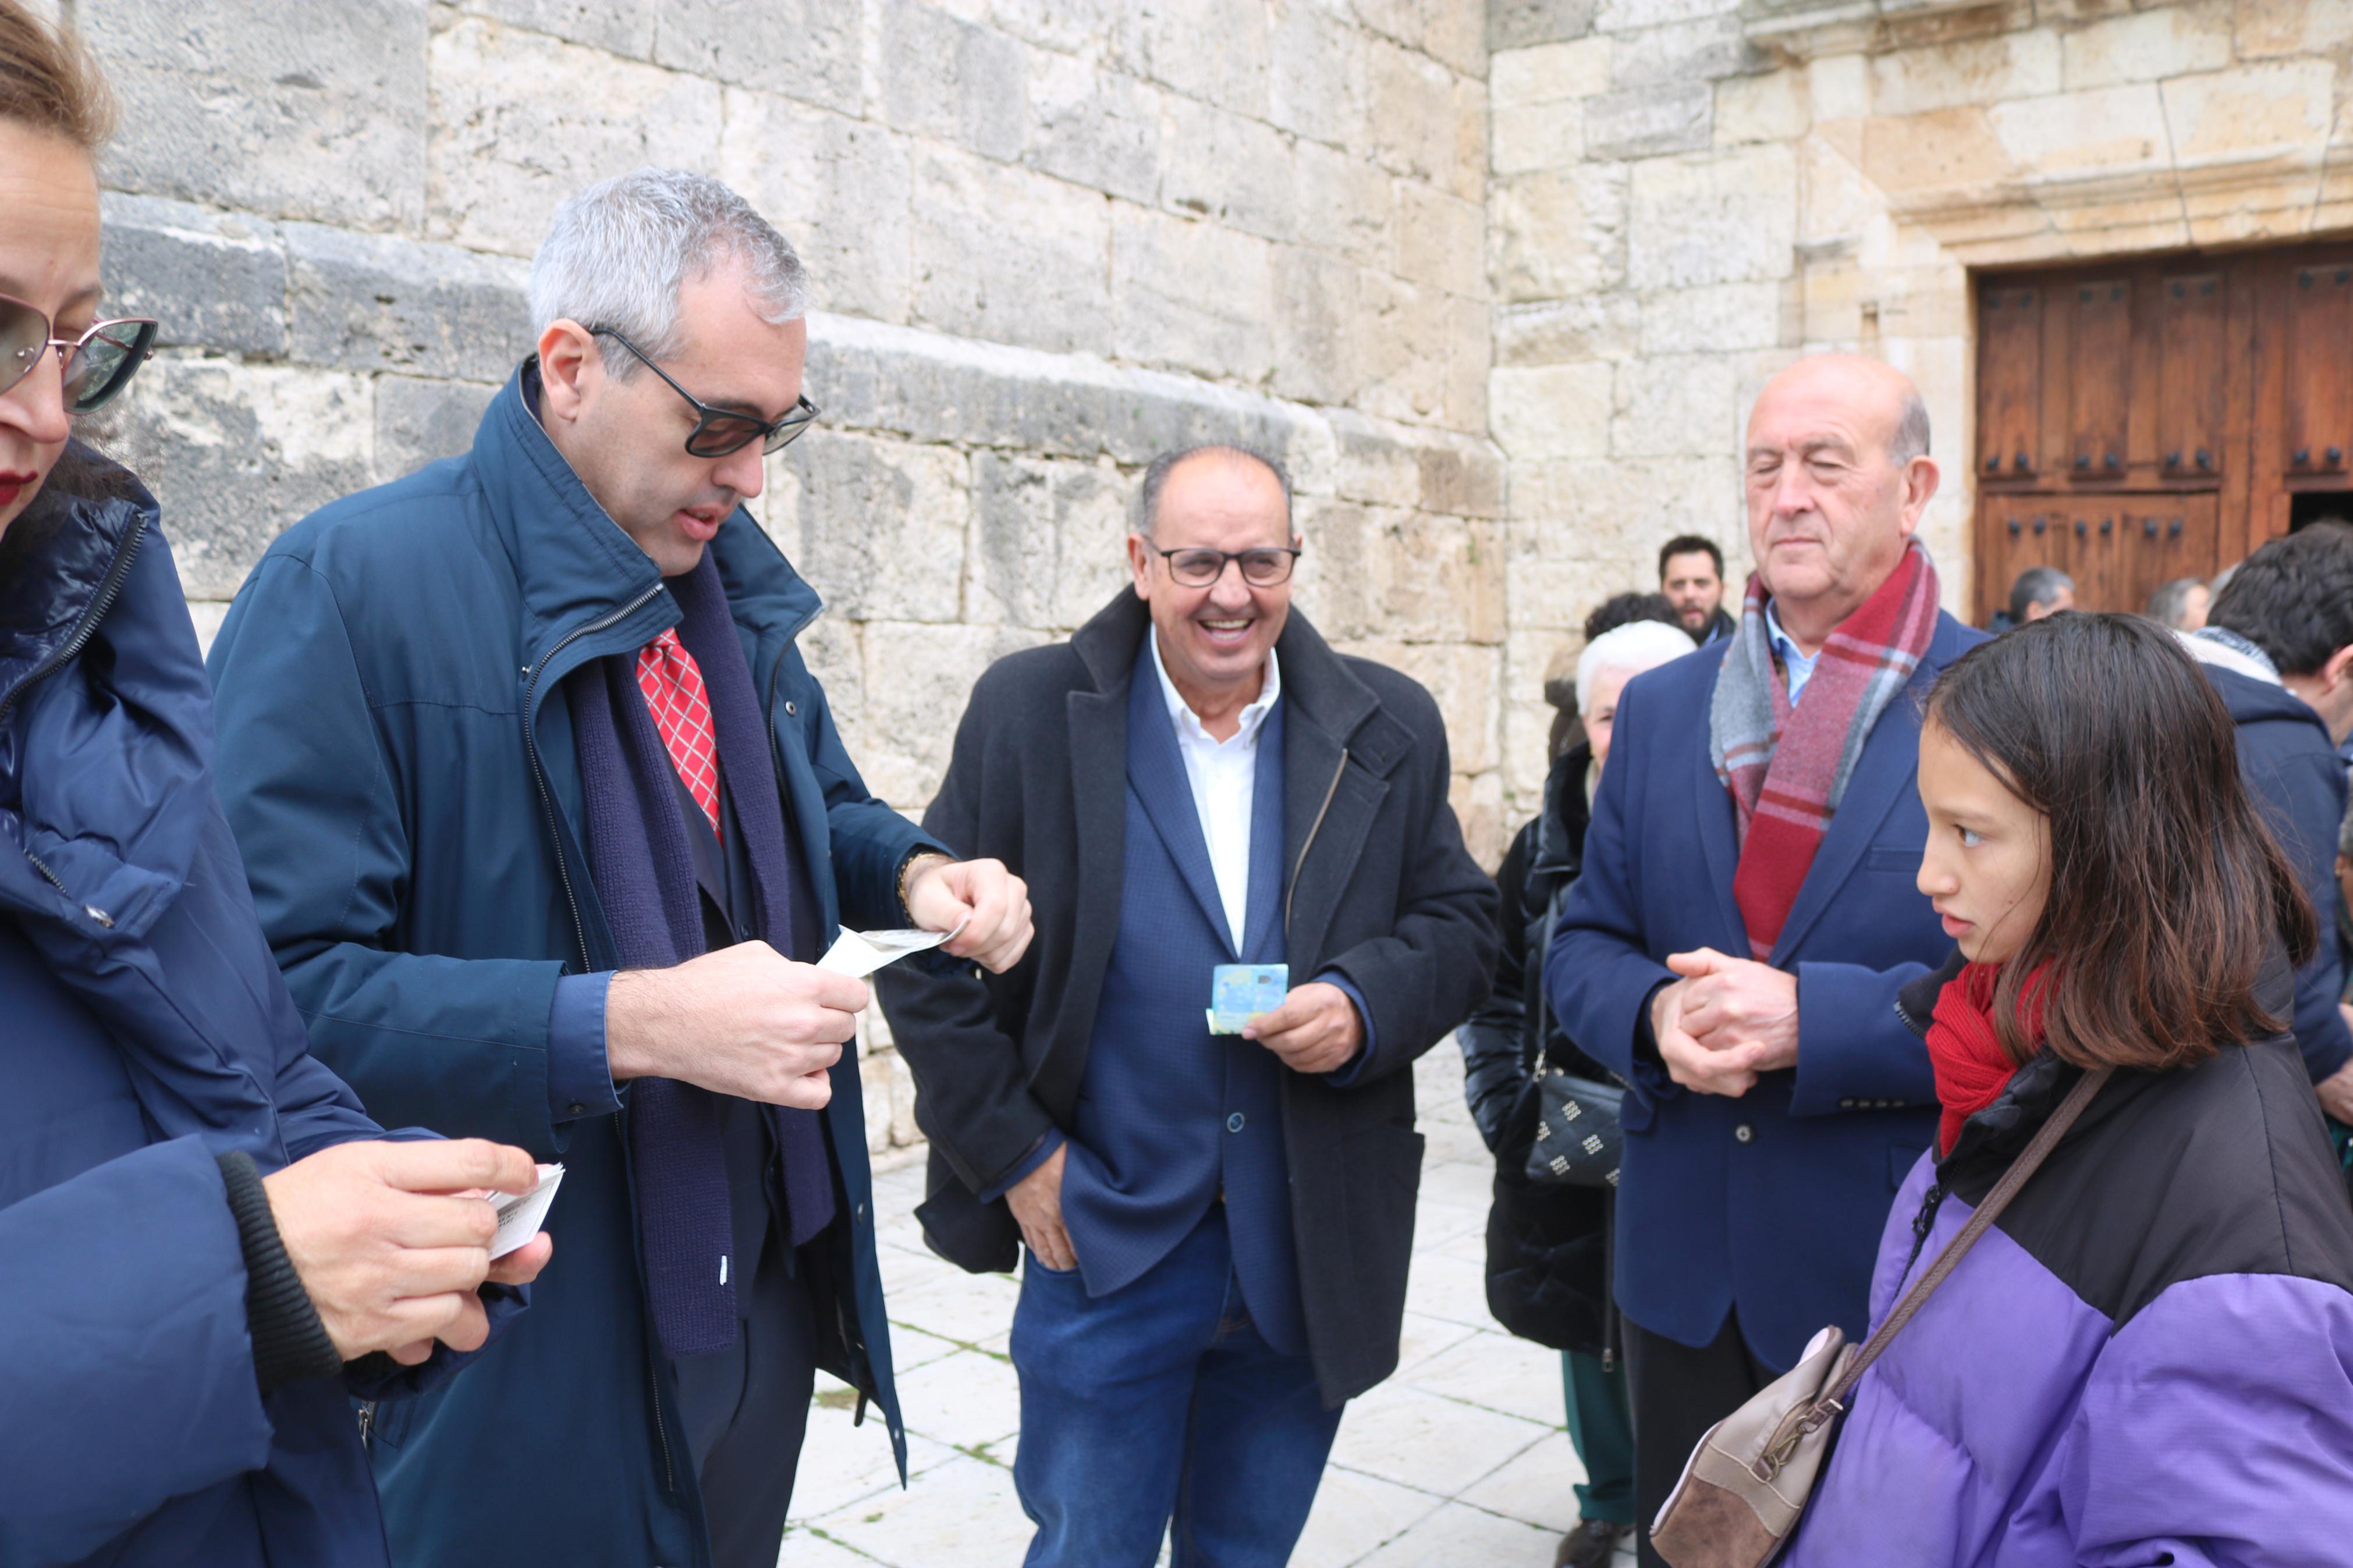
(2148, 1358)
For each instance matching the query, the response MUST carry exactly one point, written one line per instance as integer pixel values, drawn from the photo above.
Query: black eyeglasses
(719, 431)
(94, 366)
(1201, 568)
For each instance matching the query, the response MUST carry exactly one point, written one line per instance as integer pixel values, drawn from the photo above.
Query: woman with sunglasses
(206, 1246)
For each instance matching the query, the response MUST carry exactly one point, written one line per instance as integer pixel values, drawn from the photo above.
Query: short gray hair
(1911, 429)
(2037, 585)
(1155, 477)
(619, 253)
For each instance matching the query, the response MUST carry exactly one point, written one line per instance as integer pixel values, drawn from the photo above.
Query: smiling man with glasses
(1203, 794)
(547, 821)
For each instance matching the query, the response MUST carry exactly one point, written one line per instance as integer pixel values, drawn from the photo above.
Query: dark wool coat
(1378, 886)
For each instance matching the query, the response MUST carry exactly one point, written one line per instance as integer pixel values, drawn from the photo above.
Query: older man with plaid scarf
(1747, 913)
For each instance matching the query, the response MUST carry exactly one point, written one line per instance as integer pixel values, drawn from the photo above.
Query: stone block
(1519, 24)
(1452, 35)
(1409, 112)
(1559, 235)
(1009, 254)
(1471, 336)
(1233, 170)
(1190, 295)
(1372, 572)
(214, 280)
(311, 112)
(1645, 122)
(1702, 50)
(617, 26)
(1316, 326)
(2148, 46)
(419, 422)
(1442, 241)
(1048, 540)
(1542, 412)
(2266, 30)
(917, 679)
(1095, 127)
(1550, 73)
(360, 301)
(1466, 680)
(1110, 31)
(2113, 130)
(1950, 150)
(1214, 50)
(1377, 462)
(1728, 218)
(1970, 71)
(1467, 178)
(2275, 108)
(1551, 331)
(877, 526)
(807, 49)
(1712, 319)
(1676, 405)
(1316, 81)
(237, 452)
(1630, 16)
(950, 79)
(1343, 203)
(839, 189)
(1840, 87)
(521, 120)
(1407, 340)
(1461, 478)
(1529, 138)
(1775, 106)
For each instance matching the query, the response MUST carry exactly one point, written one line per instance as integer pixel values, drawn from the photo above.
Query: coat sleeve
(457, 1045)
(1493, 1041)
(1436, 962)
(127, 1377)
(1855, 1050)
(871, 842)
(2303, 799)
(973, 1094)
(2216, 1430)
(1599, 972)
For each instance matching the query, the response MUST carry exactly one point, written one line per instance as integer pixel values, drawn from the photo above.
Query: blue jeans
(1158, 1402)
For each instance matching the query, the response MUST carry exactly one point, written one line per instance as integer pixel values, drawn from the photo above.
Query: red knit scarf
(1971, 1067)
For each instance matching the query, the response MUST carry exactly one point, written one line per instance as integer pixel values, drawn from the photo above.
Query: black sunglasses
(1200, 568)
(719, 431)
(95, 366)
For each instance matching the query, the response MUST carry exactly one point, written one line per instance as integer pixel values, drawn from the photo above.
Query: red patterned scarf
(1787, 767)
(1971, 1067)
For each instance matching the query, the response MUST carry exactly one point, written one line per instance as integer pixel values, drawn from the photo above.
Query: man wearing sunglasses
(1217, 1211)
(547, 821)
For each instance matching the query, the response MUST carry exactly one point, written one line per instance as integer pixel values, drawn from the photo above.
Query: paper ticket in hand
(520, 1213)
(1241, 992)
(859, 954)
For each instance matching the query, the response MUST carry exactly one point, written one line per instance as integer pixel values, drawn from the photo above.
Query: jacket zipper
(1922, 1224)
(539, 775)
(579, 928)
(65, 653)
(1313, 829)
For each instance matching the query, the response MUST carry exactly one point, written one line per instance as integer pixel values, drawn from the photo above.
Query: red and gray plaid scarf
(1788, 767)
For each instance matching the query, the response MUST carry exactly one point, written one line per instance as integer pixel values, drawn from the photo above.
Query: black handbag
(1579, 1138)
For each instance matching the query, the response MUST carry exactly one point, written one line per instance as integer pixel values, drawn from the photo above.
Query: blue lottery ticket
(1241, 992)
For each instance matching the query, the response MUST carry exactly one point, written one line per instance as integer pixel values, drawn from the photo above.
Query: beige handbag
(1739, 1498)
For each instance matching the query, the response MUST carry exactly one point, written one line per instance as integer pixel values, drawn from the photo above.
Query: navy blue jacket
(1772, 1201)
(1169, 1116)
(2292, 769)
(146, 1030)
(401, 773)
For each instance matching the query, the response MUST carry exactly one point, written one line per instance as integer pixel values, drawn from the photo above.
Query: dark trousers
(1602, 1429)
(745, 1410)
(1678, 1393)
(1158, 1405)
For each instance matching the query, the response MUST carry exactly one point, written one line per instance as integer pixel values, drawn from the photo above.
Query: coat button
(790, 708)
(858, 1213)
(1743, 1132)
(578, 1108)
(1234, 1122)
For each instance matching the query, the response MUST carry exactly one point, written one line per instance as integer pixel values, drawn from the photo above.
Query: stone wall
(1048, 238)
(1687, 194)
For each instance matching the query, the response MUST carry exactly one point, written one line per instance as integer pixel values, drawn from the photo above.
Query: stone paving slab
(1459, 1458)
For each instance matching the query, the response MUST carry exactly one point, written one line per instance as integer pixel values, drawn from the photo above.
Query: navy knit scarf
(644, 871)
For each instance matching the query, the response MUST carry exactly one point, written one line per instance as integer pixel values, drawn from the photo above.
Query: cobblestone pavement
(1458, 1461)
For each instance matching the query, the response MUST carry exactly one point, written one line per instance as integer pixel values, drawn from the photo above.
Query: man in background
(1691, 574)
(2037, 591)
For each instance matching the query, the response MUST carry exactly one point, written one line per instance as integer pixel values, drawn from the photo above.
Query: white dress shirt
(1800, 665)
(1224, 776)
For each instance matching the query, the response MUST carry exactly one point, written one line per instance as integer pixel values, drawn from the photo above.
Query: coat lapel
(1156, 774)
(1335, 763)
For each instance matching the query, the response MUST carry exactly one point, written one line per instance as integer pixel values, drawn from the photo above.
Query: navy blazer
(1773, 1201)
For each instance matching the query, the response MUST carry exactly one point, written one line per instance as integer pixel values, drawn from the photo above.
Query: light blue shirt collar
(1800, 665)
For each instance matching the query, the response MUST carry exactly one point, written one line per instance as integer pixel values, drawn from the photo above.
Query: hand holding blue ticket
(1241, 991)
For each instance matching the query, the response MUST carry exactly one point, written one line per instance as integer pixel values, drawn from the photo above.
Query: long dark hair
(2169, 896)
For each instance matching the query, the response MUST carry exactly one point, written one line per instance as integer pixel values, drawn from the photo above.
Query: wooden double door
(2154, 419)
